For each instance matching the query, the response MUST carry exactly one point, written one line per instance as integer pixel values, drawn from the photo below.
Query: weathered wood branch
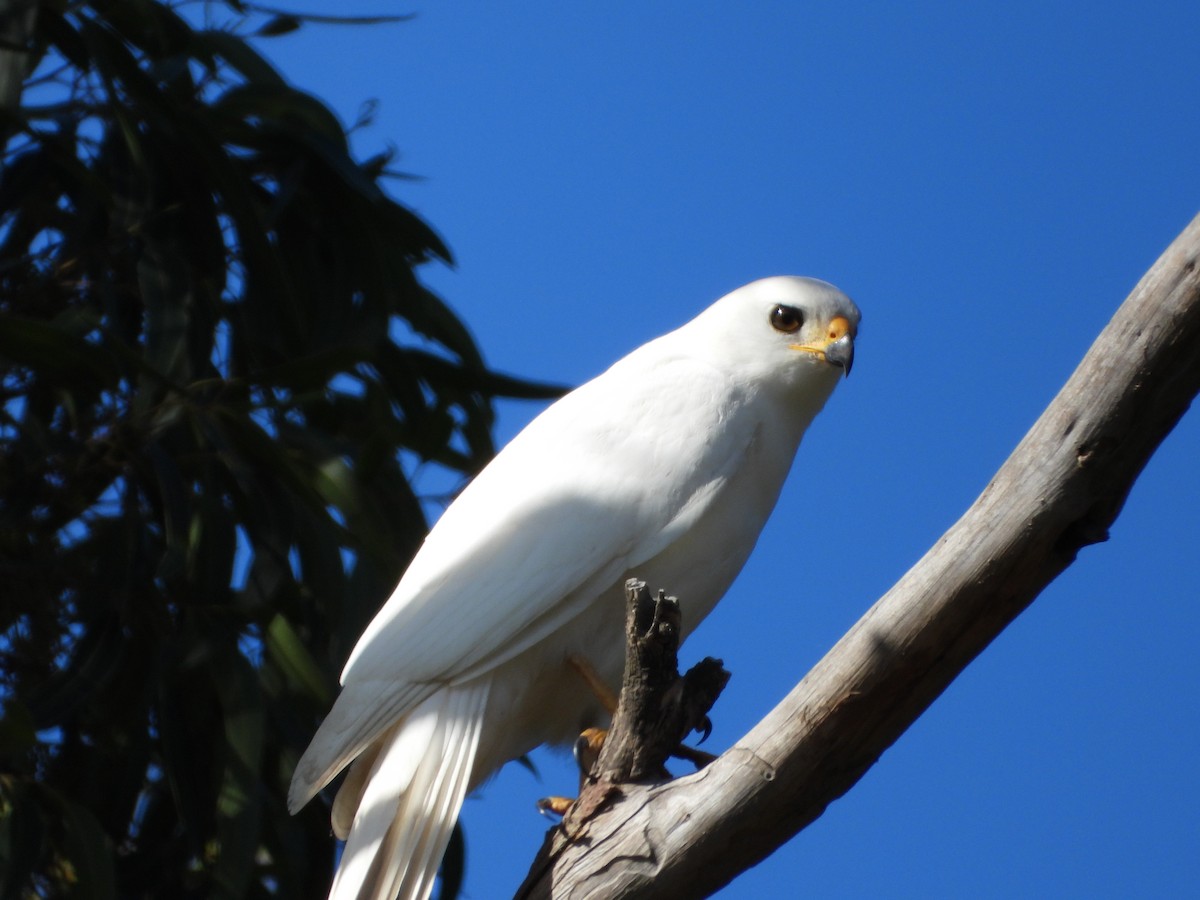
(1059, 491)
(658, 708)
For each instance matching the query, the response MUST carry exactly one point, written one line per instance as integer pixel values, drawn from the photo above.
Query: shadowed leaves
(207, 421)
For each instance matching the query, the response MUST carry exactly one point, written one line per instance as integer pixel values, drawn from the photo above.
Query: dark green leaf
(58, 32)
(287, 651)
(308, 118)
(202, 298)
(22, 837)
(240, 55)
(238, 805)
(17, 730)
(88, 851)
(182, 756)
(173, 496)
(95, 660)
(476, 379)
(277, 25)
(43, 346)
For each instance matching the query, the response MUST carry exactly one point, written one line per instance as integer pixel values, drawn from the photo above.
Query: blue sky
(987, 181)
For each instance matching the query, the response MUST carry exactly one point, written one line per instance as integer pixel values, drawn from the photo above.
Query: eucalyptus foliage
(217, 364)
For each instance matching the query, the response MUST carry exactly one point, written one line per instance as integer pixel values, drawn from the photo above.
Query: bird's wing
(577, 495)
(590, 487)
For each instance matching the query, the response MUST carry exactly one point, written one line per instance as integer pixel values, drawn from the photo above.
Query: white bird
(665, 467)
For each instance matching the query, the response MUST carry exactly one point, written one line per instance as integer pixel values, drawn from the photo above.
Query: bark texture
(1059, 491)
(658, 708)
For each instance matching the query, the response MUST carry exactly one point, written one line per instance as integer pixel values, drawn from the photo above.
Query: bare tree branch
(658, 708)
(1059, 491)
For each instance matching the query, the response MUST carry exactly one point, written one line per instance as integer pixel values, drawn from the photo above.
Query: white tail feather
(360, 716)
(411, 798)
(349, 795)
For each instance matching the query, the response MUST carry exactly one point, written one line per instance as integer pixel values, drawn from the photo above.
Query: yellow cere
(839, 327)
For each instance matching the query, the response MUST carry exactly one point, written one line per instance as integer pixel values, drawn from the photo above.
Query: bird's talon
(587, 749)
(578, 749)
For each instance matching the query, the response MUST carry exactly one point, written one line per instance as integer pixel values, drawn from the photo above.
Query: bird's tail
(404, 795)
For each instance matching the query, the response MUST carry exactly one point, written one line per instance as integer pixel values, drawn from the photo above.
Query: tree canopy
(218, 370)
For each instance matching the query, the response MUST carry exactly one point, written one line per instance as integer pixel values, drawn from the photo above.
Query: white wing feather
(578, 492)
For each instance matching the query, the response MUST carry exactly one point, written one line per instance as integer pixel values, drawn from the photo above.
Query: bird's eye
(787, 319)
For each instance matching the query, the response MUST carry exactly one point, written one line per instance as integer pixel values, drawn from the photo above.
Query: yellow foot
(587, 751)
(555, 806)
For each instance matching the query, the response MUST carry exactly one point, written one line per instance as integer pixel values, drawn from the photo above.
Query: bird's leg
(591, 677)
(588, 744)
(591, 740)
(587, 747)
(586, 751)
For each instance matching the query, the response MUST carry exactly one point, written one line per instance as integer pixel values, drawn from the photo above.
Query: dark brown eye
(787, 319)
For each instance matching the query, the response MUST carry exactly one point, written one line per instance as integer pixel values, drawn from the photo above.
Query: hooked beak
(841, 353)
(838, 347)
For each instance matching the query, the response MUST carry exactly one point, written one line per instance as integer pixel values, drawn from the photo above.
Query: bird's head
(783, 330)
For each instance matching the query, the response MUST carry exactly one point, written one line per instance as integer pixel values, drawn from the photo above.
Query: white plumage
(665, 467)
